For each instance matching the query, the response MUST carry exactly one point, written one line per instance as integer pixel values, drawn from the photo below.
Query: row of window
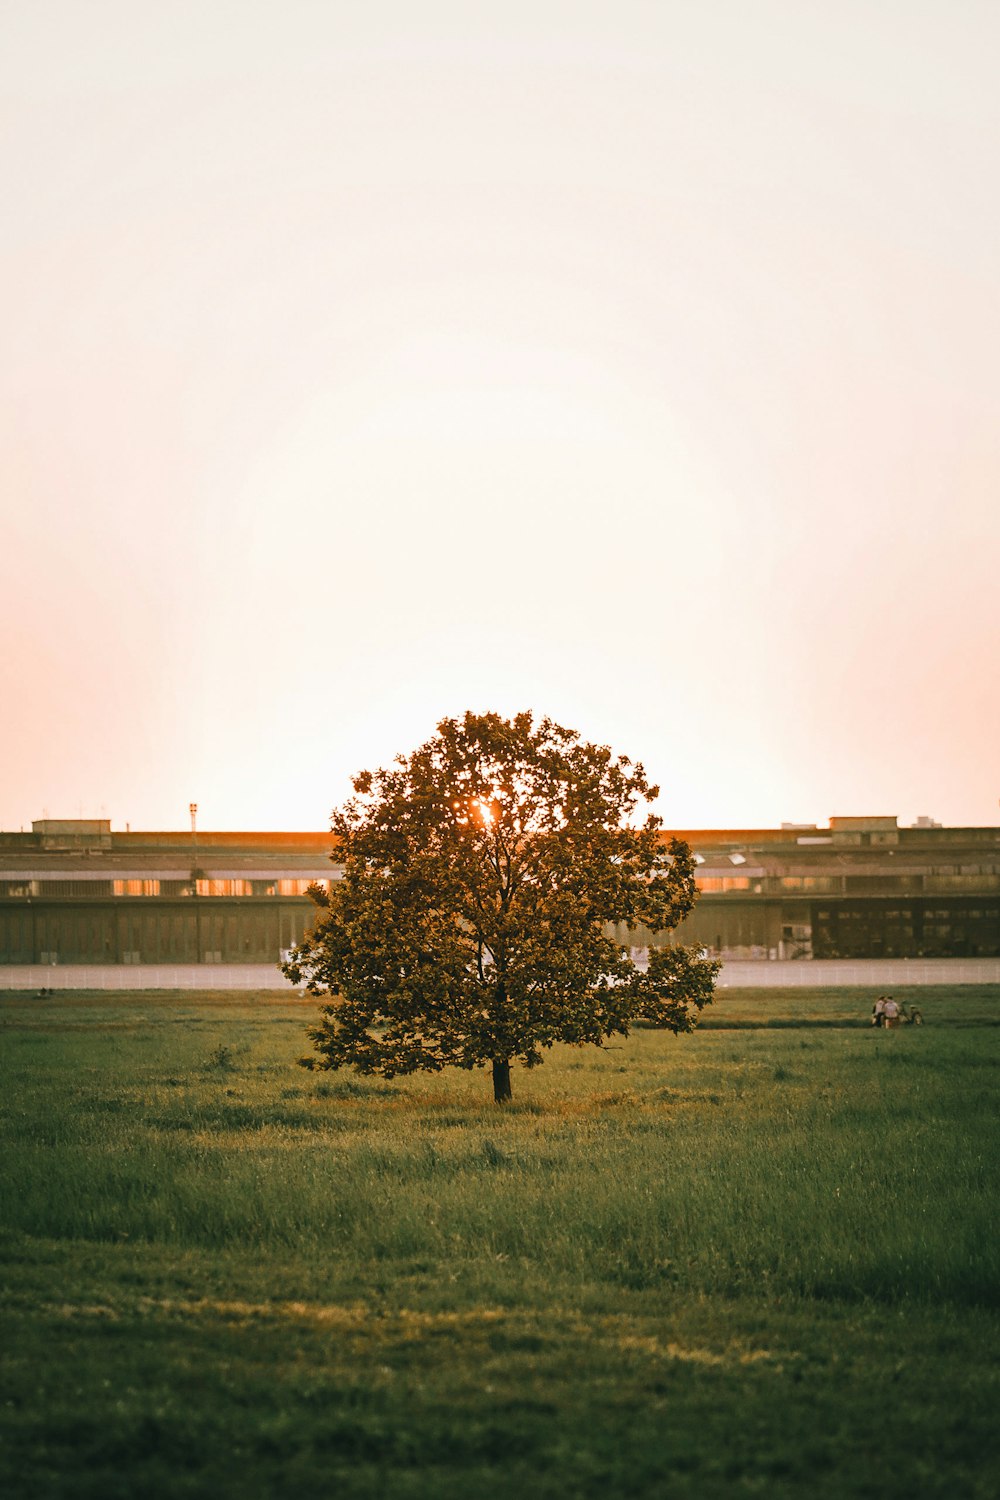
(907, 933)
(207, 887)
(708, 884)
(872, 885)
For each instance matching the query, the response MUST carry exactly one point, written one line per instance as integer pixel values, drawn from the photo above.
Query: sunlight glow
(564, 351)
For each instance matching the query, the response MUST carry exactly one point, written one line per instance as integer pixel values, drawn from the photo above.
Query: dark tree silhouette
(481, 874)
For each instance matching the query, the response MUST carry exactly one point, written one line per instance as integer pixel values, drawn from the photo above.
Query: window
(882, 885)
(136, 888)
(224, 887)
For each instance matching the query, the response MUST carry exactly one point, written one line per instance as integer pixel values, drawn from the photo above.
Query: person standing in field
(878, 1011)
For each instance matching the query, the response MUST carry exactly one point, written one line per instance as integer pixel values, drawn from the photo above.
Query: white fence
(879, 973)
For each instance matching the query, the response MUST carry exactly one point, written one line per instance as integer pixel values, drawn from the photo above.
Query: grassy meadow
(761, 1259)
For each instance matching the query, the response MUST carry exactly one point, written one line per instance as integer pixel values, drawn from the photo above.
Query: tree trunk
(501, 1080)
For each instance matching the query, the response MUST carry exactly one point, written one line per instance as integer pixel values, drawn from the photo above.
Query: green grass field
(762, 1259)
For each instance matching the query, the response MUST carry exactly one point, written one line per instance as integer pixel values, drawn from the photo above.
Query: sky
(636, 364)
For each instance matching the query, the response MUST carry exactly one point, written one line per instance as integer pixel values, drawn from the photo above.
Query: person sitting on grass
(878, 1011)
(890, 1012)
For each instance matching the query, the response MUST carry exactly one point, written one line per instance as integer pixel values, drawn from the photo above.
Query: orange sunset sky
(635, 363)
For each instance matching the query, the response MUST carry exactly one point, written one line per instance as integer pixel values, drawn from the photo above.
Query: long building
(861, 888)
(74, 892)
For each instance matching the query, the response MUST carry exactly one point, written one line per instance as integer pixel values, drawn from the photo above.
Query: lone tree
(481, 874)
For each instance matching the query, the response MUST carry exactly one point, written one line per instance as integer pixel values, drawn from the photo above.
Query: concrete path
(762, 973)
(878, 973)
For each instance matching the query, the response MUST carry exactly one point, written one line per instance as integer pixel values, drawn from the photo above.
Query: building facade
(860, 888)
(74, 892)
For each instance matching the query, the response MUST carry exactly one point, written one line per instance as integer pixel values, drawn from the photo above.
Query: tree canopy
(480, 876)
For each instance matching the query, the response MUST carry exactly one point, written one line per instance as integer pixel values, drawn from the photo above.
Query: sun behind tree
(481, 873)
